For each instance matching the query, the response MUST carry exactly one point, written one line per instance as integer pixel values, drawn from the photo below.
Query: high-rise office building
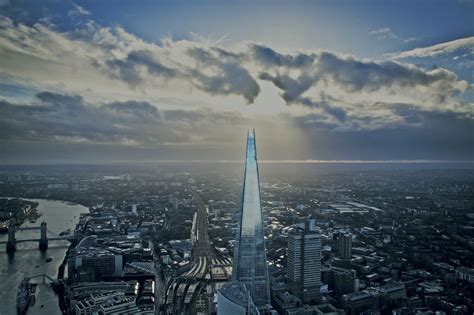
(345, 245)
(250, 263)
(304, 262)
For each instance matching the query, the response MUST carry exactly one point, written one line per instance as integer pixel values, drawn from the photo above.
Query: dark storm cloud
(231, 79)
(60, 117)
(222, 72)
(356, 75)
(47, 119)
(145, 58)
(228, 76)
(269, 57)
(69, 119)
(219, 71)
(128, 69)
(292, 88)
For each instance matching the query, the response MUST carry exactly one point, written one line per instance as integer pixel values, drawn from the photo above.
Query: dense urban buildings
(135, 245)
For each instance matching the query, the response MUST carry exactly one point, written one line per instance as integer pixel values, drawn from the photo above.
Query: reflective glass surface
(250, 267)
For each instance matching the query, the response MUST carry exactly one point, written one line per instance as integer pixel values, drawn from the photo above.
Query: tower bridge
(42, 240)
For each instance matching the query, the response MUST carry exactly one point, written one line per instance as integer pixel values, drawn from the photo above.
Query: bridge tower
(11, 243)
(43, 242)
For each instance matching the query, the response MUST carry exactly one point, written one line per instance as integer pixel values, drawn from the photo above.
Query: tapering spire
(250, 263)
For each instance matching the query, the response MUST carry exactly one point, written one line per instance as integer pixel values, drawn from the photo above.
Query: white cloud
(383, 33)
(388, 33)
(110, 64)
(439, 49)
(78, 10)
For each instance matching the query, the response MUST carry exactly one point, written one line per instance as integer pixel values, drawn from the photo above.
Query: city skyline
(129, 176)
(88, 82)
(160, 238)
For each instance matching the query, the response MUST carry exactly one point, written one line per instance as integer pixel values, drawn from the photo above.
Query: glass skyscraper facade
(250, 263)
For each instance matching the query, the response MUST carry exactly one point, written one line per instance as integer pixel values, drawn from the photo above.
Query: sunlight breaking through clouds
(70, 79)
(109, 58)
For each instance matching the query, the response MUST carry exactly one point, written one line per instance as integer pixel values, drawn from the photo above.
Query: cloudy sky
(97, 81)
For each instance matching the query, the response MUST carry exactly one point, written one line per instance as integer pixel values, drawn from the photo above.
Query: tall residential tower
(304, 262)
(345, 246)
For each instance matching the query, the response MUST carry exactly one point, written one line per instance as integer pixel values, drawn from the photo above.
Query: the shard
(250, 263)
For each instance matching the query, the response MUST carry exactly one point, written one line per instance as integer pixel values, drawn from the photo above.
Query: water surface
(29, 260)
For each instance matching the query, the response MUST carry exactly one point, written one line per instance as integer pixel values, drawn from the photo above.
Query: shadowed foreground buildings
(250, 284)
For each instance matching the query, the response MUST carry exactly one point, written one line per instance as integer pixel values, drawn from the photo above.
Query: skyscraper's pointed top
(250, 133)
(251, 147)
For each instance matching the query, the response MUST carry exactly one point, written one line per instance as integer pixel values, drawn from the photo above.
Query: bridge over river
(42, 240)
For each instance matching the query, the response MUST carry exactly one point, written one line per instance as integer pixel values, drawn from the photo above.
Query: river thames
(28, 260)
